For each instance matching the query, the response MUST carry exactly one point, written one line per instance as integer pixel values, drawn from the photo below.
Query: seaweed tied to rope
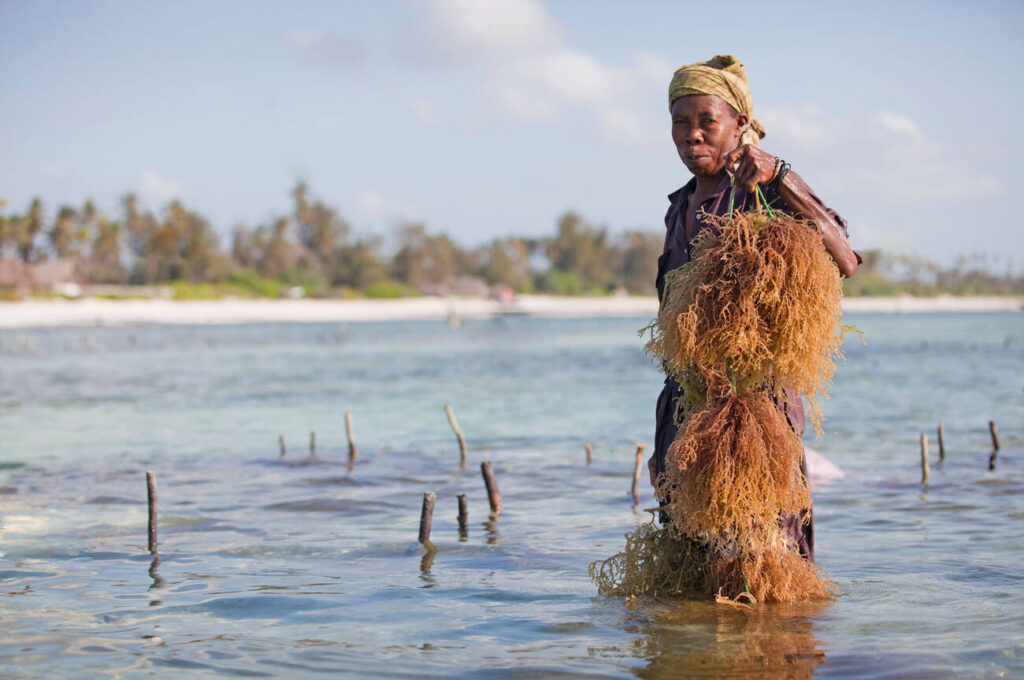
(755, 314)
(732, 471)
(760, 298)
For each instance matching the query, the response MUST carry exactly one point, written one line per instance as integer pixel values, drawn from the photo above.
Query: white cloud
(524, 103)
(324, 49)
(54, 172)
(624, 125)
(898, 124)
(423, 111)
(800, 127)
(497, 28)
(376, 208)
(883, 155)
(157, 189)
(532, 75)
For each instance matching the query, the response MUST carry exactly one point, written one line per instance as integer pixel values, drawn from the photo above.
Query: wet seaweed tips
(463, 516)
(493, 495)
(352, 452)
(458, 433)
(151, 501)
(426, 518)
(637, 469)
(942, 443)
(925, 469)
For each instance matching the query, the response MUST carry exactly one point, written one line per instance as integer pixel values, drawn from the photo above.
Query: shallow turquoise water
(305, 568)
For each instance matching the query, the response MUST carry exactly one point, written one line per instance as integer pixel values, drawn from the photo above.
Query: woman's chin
(702, 167)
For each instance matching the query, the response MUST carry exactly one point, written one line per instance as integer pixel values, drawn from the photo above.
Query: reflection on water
(158, 581)
(298, 566)
(700, 639)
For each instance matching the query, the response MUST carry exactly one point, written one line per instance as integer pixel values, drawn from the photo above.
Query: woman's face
(705, 129)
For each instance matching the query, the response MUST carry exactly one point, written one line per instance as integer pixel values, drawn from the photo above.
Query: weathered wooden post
(426, 517)
(590, 453)
(151, 500)
(925, 470)
(995, 445)
(493, 496)
(463, 515)
(458, 433)
(280, 441)
(352, 453)
(942, 443)
(636, 472)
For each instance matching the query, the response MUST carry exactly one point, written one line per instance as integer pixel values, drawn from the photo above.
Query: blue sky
(483, 119)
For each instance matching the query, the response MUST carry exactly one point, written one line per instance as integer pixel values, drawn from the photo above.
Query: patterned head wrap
(725, 78)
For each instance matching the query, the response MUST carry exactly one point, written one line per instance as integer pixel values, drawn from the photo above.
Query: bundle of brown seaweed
(760, 300)
(772, 574)
(732, 471)
(657, 562)
(755, 312)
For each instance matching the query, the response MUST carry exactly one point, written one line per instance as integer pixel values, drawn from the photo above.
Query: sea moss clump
(759, 301)
(754, 314)
(655, 561)
(732, 471)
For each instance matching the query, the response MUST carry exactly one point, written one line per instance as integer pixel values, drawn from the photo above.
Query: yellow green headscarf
(725, 78)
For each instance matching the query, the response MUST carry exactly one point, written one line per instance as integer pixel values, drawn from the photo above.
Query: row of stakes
(491, 483)
(429, 498)
(926, 468)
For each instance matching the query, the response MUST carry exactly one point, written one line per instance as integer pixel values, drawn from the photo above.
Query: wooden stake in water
(463, 515)
(636, 471)
(352, 453)
(426, 517)
(590, 453)
(995, 445)
(942, 443)
(493, 496)
(312, 444)
(280, 441)
(151, 499)
(925, 470)
(458, 433)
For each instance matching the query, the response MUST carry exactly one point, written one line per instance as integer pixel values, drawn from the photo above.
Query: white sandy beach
(97, 312)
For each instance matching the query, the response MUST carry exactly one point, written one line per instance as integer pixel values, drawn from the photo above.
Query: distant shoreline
(99, 312)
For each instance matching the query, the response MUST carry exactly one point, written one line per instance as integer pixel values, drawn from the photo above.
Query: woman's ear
(742, 121)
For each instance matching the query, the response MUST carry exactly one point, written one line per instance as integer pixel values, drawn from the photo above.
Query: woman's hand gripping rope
(749, 166)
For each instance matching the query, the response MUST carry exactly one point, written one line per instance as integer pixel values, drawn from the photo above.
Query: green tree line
(313, 247)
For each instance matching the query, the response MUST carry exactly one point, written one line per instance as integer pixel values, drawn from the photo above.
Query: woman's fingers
(745, 165)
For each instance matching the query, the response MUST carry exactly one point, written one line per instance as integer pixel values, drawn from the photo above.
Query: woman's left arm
(751, 165)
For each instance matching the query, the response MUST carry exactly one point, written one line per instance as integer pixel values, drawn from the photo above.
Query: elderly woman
(717, 138)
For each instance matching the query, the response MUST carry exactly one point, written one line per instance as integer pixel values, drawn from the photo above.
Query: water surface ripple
(309, 567)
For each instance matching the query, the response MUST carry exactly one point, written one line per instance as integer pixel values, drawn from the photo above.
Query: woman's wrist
(781, 170)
